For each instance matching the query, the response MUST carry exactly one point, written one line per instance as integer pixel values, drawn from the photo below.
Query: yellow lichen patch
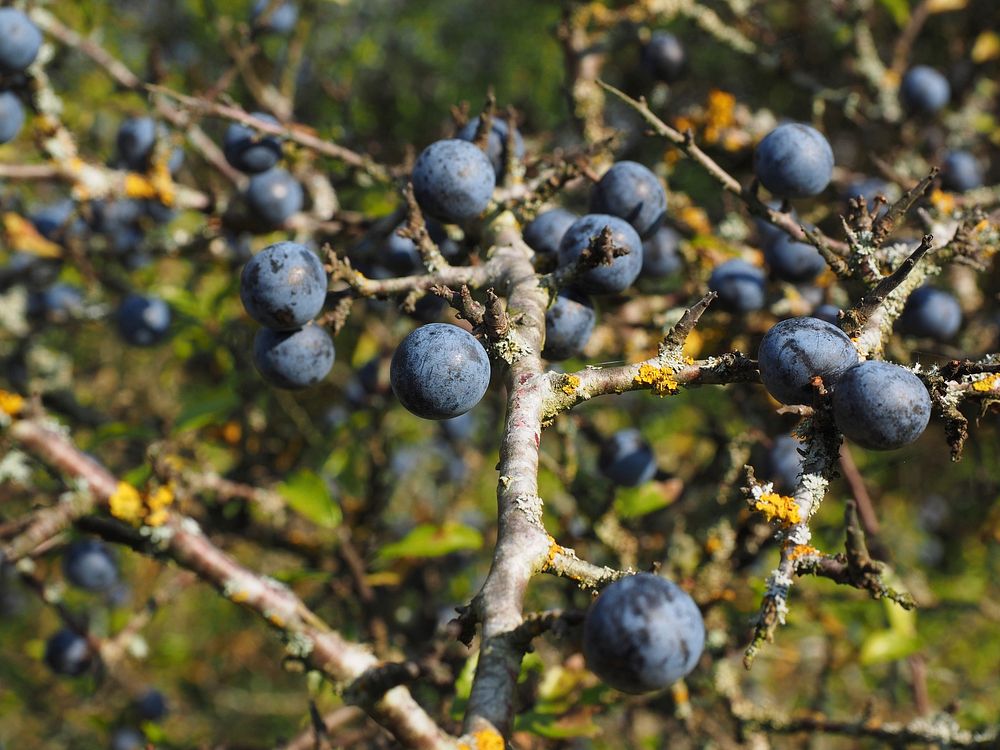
(692, 346)
(779, 507)
(569, 384)
(239, 596)
(987, 384)
(162, 182)
(943, 201)
(157, 503)
(718, 114)
(487, 739)
(126, 503)
(695, 218)
(22, 236)
(138, 186)
(986, 47)
(802, 550)
(713, 544)
(660, 379)
(11, 404)
(554, 549)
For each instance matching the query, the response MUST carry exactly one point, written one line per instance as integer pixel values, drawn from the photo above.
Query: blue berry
(68, 653)
(924, 90)
(568, 325)
(793, 261)
(881, 406)
(459, 428)
(643, 633)
(249, 150)
(603, 279)
(768, 232)
(496, 144)
(293, 359)
(274, 196)
(11, 116)
(784, 463)
(284, 286)
(151, 705)
(90, 565)
(660, 254)
(401, 255)
(627, 459)
(20, 41)
(453, 181)
(961, 172)
(126, 738)
(867, 188)
(663, 57)
(281, 21)
(829, 313)
(797, 350)
(544, 234)
(136, 138)
(630, 191)
(50, 220)
(794, 161)
(143, 321)
(740, 286)
(931, 312)
(439, 371)
(58, 302)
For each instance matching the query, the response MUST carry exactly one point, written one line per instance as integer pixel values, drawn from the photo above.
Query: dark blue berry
(459, 428)
(20, 41)
(68, 653)
(89, 564)
(58, 302)
(281, 21)
(961, 172)
(143, 321)
(496, 145)
(797, 350)
(51, 220)
(568, 325)
(126, 738)
(603, 279)
(661, 254)
(867, 188)
(136, 138)
(630, 191)
(249, 150)
(739, 284)
(544, 234)
(627, 459)
(924, 90)
(663, 57)
(439, 371)
(11, 116)
(793, 261)
(931, 312)
(274, 196)
(784, 463)
(284, 286)
(794, 161)
(453, 181)
(881, 406)
(829, 313)
(293, 359)
(643, 633)
(768, 232)
(151, 705)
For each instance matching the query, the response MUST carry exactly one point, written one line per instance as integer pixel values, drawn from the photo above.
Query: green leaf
(888, 645)
(463, 686)
(638, 501)
(205, 406)
(898, 9)
(307, 494)
(557, 727)
(428, 540)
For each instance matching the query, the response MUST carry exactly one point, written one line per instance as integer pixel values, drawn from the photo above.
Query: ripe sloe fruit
(293, 359)
(67, 653)
(544, 234)
(20, 41)
(961, 172)
(931, 312)
(924, 90)
(784, 462)
(643, 633)
(627, 459)
(660, 254)
(453, 180)
(284, 286)
(602, 279)
(739, 284)
(126, 738)
(90, 565)
(630, 191)
(496, 144)
(881, 406)
(249, 150)
(143, 321)
(439, 371)
(663, 57)
(274, 196)
(11, 116)
(794, 161)
(790, 260)
(151, 705)
(568, 325)
(281, 21)
(796, 350)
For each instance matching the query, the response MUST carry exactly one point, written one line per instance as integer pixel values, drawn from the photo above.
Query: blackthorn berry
(603, 279)
(739, 284)
(568, 325)
(151, 705)
(643, 633)
(453, 180)
(627, 459)
(829, 313)
(881, 406)
(931, 312)
(284, 286)
(924, 90)
(249, 150)
(630, 191)
(784, 463)
(663, 57)
(274, 196)
(58, 302)
(136, 138)
(790, 260)
(68, 653)
(794, 161)
(11, 116)
(439, 371)
(281, 21)
(661, 254)
(143, 321)
(293, 359)
(797, 350)
(496, 145)
(544, 234)
(20, 41)
(89, 564)
(126, 738)
(961, 172)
